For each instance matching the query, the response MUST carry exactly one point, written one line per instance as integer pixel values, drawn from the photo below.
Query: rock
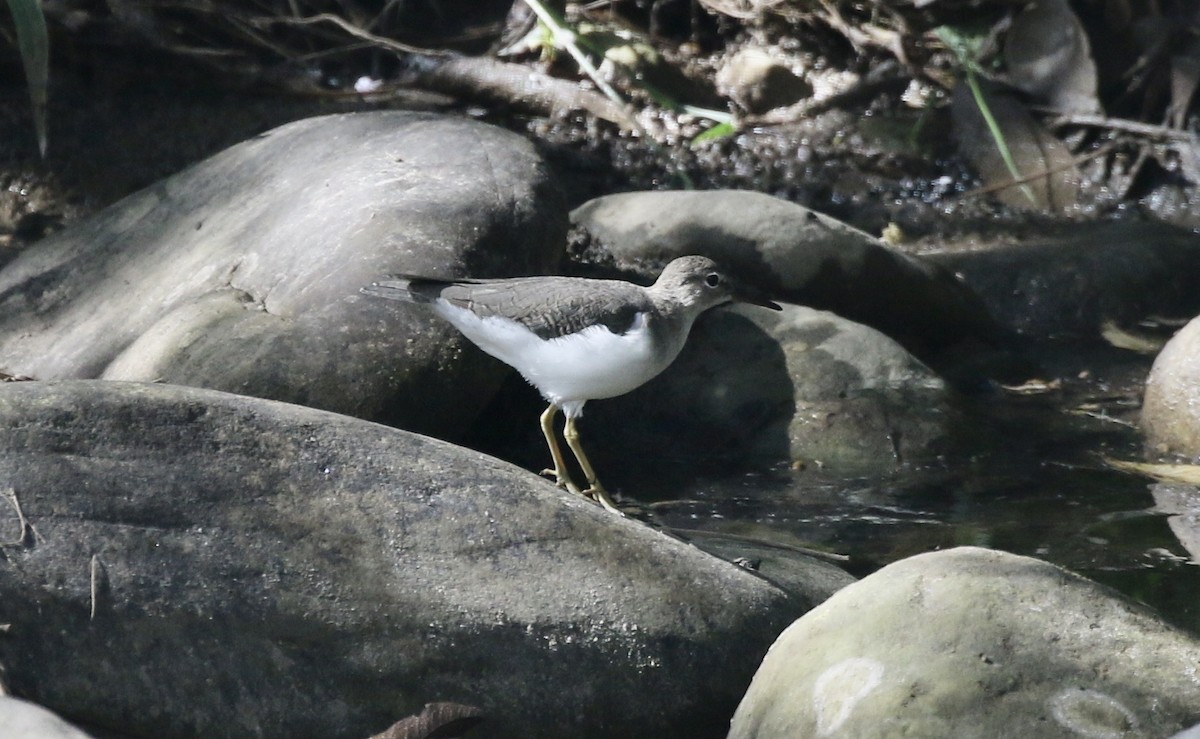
(809, 579)
(1069, 284)
(242, 273)
(758, 81)
(754, 389)
(1180, 504)
(24, 720)
(1171, 406)
(1192, 732)
(440, 720)
(974, 643)
(202, 564)
(798, 255)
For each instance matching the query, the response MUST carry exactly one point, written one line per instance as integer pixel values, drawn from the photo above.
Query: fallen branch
(511, 84)
(885, 76)
(1122, 124)
(1074, 162)
(358, 33)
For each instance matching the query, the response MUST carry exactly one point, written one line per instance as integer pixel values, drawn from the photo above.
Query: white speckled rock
(974, 643)
(1171, 409)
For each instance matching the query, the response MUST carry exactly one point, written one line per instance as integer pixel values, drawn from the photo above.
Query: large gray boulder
(202, 564)
(1073, 283)
(799, 255)
(974, 643)
(242, 273)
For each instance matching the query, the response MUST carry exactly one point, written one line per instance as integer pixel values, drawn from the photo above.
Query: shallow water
(1041, 487)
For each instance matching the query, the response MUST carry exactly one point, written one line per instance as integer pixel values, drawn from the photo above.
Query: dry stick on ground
(864, 35)
(1174, 137)
(1121, 124)
(512, 84)
(350, 28)
(464, 76)
(1040, 173)
(883, 77)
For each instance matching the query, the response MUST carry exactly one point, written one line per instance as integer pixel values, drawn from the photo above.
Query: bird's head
(702, 283)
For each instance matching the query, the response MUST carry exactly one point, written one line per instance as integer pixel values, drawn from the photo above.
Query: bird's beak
(754, 296)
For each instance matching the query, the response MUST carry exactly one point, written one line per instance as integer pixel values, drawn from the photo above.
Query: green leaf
(966, 43)
(998, 135)
(34, 43)
(719, 131)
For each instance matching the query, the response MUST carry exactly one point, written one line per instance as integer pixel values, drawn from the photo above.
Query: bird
(578, 339)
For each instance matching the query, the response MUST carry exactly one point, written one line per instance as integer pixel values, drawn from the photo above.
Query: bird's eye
(712, 279)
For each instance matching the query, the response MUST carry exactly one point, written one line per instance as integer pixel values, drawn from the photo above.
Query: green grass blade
(719, 131)
(997, 135)
(34, 44)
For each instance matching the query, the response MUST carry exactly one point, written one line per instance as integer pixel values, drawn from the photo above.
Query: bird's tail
(411, 288)
(394, 288)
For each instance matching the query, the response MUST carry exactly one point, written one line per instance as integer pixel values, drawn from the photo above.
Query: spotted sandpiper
(577, 339)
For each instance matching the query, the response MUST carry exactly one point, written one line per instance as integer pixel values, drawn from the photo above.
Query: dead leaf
(1049, 178)
(1034, 387)
(1123, 339)
(1188, 474)
(1047, 55)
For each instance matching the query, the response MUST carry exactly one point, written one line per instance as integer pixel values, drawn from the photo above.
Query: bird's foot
(595, 492)
(601, 496)
(563, 481)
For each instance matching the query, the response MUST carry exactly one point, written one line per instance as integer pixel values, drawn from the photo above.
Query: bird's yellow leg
(595, 490)
(560, 465)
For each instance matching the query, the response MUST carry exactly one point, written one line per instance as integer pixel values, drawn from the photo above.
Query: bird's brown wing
(548, 306)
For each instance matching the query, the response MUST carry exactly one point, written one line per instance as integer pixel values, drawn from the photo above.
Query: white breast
(568, 370)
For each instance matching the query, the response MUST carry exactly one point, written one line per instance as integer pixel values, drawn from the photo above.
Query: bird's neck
(672, 324)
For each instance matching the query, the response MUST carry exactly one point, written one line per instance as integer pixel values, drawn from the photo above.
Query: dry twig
(1074, 162)
(1121, 124)
(348, 27)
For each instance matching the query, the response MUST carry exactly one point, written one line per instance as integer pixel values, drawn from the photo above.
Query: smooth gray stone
(1180, 503)
(1171, 406)
(971, 643)
(1068, 285)
(242, 273)
(798, 255)
(263, 569)
(755, 389)
(808, 578)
